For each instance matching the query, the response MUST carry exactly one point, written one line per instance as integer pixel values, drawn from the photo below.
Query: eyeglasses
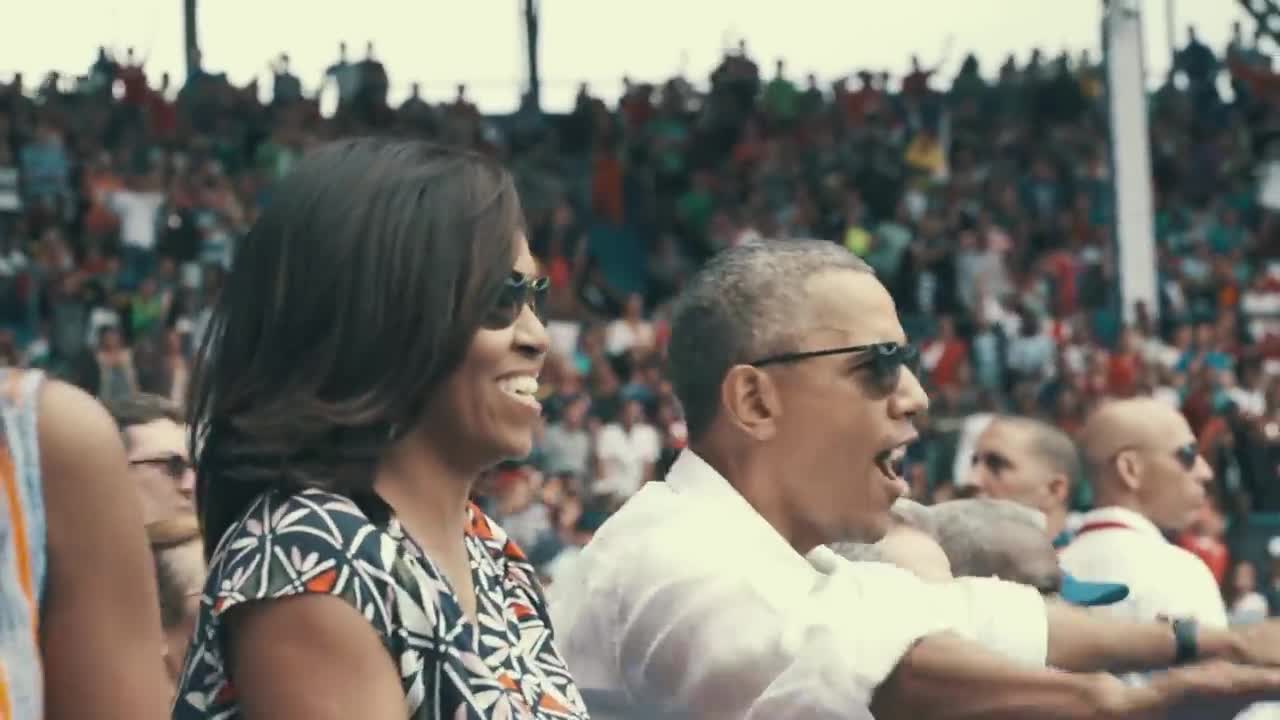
(518, 291)
(175, 466)
(885, 360)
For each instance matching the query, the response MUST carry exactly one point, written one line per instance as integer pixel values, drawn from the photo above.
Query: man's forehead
(1133, 423)
(1005, 436)
(847, 306)
(157, 436)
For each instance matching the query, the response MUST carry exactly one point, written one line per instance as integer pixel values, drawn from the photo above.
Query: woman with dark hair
(373, 351)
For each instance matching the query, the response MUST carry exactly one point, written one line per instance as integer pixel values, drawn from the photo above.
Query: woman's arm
(310, 657)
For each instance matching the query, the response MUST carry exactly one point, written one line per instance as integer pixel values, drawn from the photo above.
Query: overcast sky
(481, 42)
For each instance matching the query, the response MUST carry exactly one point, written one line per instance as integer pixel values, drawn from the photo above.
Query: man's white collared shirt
(687, 598)
(1116, 544)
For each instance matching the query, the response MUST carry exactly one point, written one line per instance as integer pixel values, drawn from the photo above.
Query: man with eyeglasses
(714, 593)
(156, 443)
(1149, 479)
(1031, 463)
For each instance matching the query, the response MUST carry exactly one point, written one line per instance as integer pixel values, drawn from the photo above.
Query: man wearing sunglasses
(715, 594)
(1149, 479)
(156, 442)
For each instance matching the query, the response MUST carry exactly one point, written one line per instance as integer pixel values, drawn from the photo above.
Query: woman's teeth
(519, 385)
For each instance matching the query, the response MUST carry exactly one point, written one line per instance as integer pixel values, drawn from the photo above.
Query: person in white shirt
(1031, 463)
(631, 331)
(714, 593)
(627, 451)
(1148, 478)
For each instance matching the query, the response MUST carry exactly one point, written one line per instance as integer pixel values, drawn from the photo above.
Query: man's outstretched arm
(946, 677)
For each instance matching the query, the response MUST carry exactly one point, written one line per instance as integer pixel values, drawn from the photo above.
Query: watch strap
(1185, 637)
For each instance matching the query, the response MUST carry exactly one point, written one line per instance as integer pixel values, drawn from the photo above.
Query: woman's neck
(428, 495)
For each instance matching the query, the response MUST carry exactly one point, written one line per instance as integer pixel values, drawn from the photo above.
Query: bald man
(1149, 478)
(1031, 463)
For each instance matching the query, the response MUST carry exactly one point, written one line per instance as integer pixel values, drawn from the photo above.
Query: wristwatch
(1185, 632)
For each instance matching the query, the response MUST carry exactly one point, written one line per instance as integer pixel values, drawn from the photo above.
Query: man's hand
(1257, 644)
(1198, 691)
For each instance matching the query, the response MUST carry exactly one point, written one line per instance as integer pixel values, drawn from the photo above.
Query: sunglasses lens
(175, 467)
(516, 293)
(1187, 455)
(507, 308)
(889, 360)
(538, 298)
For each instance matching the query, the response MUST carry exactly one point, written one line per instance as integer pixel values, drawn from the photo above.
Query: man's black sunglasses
(175, 466)
(885, 360)
(1187, 454)
(518, 291)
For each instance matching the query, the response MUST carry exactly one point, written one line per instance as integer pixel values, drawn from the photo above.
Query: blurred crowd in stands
(984, 203)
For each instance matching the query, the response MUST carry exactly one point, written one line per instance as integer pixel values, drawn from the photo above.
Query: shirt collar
(692, 476)
(1122, 516)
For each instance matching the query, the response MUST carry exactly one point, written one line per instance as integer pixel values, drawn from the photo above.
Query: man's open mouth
(890, 461)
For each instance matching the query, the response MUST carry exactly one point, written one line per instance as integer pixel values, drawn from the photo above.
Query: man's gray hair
(913, 514)
(905, 512)
(746, 303)
(974, 533)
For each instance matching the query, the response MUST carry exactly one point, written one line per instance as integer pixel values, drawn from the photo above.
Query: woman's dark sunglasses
(518, 291)
(885, 361)
(175, 466)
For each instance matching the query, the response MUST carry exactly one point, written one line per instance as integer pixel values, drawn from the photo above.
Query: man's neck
(1055, 521)
(755, 480)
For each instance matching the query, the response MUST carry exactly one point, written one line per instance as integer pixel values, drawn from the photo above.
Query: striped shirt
(22, 547)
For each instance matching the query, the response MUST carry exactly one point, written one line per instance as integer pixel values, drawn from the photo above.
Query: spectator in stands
(566, 444)
(155, 441)
(627, 451)
(1031, 463)
(338, 455)
(178, 556)
(1148, 478)
(78, 597)
(1245, 605)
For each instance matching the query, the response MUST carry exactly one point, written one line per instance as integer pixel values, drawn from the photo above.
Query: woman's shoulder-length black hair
(356, 293)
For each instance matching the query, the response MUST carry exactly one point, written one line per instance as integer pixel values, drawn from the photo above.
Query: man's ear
(751, 401)
(1060, 488)
(1128, 464)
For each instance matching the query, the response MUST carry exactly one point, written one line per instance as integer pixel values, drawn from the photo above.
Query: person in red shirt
(1123, 366)
(944, 354)
(1203, 538)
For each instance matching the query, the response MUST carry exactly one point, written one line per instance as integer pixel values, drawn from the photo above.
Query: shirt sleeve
(305, 544)
(714, 643)
(1197, 592)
